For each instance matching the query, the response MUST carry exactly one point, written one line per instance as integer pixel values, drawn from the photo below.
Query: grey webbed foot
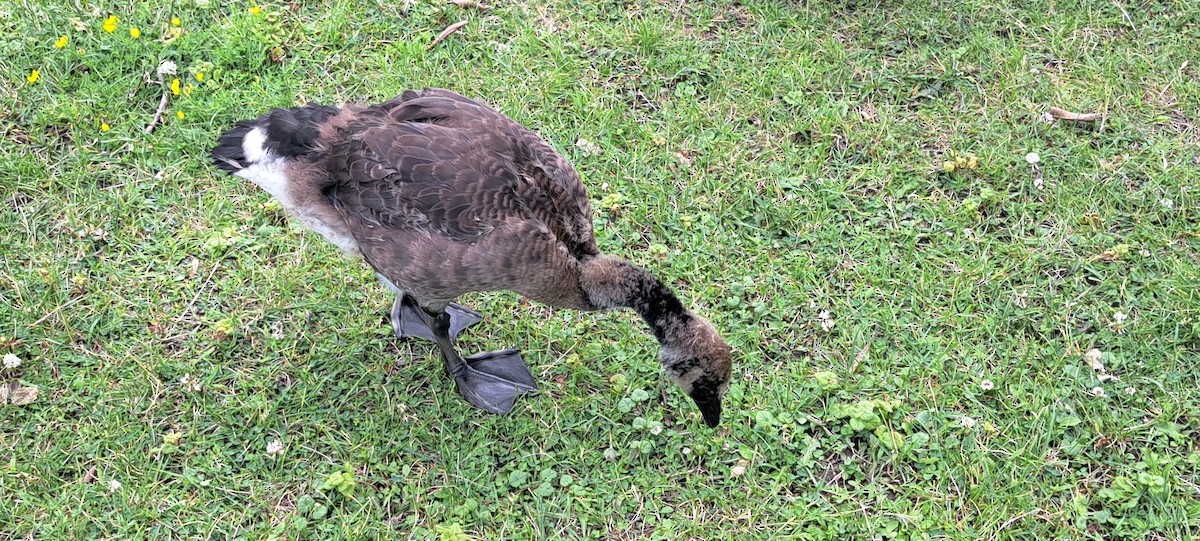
(492, 381)
(408, 322)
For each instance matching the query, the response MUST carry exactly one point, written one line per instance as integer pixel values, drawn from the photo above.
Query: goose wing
(546, 183)
(424, 178)
(440, 213)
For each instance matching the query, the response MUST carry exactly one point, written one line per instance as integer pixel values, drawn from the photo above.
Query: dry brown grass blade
(468, 4)
(1063, 114)
(449, 30)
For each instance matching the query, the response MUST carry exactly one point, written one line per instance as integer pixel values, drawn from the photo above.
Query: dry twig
(162, 105)
(1063, 114)
(449, 30)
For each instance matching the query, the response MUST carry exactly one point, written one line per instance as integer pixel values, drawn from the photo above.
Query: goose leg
(408, 319)
(490, 381)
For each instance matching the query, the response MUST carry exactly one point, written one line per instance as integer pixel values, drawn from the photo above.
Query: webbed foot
(492, 381)
(408, 322)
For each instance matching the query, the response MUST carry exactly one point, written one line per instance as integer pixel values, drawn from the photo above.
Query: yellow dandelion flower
(62, 42)
(34, 76)
(255, 10)
(110, 24)
(135, 33)
(176, 22)
(179, 114)
(175, 86)
(104, 126)
(200, 76)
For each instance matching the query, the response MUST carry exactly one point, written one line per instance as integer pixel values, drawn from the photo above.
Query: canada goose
(442, 195)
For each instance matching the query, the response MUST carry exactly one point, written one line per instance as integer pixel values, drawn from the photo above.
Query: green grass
(772, 160)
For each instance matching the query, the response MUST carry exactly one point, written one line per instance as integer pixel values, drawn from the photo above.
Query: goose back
(446, 196)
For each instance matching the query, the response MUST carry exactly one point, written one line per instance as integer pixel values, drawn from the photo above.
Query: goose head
(698, 360)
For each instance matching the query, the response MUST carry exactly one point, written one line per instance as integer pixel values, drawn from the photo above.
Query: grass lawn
(934, 337)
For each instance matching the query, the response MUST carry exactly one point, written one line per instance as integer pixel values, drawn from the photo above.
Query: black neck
(657, 305)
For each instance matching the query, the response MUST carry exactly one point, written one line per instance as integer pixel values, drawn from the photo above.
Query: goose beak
(711, 411)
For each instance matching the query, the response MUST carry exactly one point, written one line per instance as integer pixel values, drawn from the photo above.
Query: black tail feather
(293, 132)
(290, 133)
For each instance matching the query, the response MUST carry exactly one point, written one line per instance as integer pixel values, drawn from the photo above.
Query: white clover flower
(1098, 392)
(1130, 390)
(1092, 358)
(114, 485)
(167, 68)
(1033, 158)
(827, 322)
(588, 147)
(738, 470)
(189, 384)
(987, 385)
(11, 361)
(1120, 317)
(656, 429)
(275, 448)
(968, 422)
(1167, 204)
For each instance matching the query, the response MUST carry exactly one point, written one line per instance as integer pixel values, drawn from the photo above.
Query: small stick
(162, 106)
(1064, 114)
(449, 30)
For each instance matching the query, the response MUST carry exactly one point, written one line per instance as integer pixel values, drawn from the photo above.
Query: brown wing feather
(445, 200)
(405, 176)
(547, 183)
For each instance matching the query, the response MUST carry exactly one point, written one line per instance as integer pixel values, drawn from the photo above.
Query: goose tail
(280, 134)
